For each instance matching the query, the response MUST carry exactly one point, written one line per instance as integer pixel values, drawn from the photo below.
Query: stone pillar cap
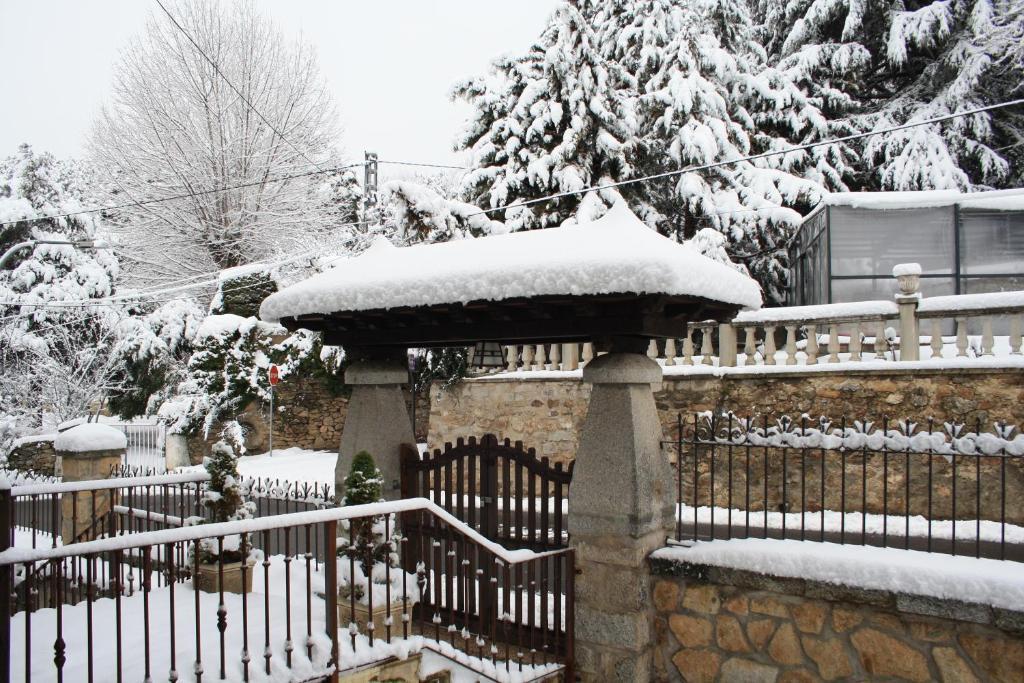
(376, 372)
(622, 368)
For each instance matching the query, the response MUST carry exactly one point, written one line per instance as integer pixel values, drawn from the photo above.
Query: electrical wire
(188, 195)
(751, 157)
(424, 165)
(232, 86)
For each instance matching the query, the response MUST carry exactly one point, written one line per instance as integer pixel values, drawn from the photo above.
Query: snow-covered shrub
(225, 500)
(366, 540)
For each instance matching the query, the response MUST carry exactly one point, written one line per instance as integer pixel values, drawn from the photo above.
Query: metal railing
(926, 486)
(464, 592)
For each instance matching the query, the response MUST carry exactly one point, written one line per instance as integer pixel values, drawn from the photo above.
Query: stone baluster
(588, 353)
(570, 356)
(688, 346)
(707, 350)
(1015, 333)
(880, 342)
(670, 351)
(511, 357)
(470, 355)
(812, 344)
(727, 345)
(750, 345)
(907, 299)
(936, 344)
(987, 342)
(790, 344)
(833, 343)
(855, 341)
(652, 350)
(961, 337)
(556, 357)
(527, 356)
(540, 361)
(769, 345)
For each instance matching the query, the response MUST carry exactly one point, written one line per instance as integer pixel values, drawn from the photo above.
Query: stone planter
(380, 613)
(207, 579)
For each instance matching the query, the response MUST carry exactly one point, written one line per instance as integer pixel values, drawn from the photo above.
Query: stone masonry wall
(548, 414)
(790, 631)
(35, 454)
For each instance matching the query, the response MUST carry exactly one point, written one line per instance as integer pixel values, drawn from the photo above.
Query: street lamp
(84, 245)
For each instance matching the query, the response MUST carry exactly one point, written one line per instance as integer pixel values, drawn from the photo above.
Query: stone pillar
(621, 510)
(83, 514)
(377, 422)
(908, 275)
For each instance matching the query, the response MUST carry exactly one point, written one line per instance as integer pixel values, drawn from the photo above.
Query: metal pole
(6, 580)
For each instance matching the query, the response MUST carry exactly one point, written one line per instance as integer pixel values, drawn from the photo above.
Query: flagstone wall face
(548, 414)
(749, 627)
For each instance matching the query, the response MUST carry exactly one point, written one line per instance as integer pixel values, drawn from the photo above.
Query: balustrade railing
(908, 328)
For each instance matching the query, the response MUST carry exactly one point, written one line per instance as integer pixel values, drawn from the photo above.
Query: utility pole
(369, 184)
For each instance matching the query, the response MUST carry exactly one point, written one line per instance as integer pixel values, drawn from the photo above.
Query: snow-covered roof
(996, 200)
(615, 254)
(91, 436)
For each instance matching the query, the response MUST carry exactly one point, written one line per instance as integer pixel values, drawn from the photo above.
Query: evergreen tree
(553, 122)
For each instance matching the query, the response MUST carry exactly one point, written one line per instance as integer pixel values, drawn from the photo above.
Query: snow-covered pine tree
(704, 95)
(552, 120)
(55, 353)
(878, 64)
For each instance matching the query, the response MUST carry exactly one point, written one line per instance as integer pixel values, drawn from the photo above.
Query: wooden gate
(513, 498)
(500, 489)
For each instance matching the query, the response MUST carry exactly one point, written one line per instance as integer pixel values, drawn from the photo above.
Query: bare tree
(177, 126)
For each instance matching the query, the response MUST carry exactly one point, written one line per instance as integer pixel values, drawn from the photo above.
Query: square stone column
(378, 422)
(621, 509)
(83, 514)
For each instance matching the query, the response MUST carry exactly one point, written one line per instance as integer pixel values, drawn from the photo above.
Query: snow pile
(614, 254)
(989, 582)
(90, 437)
(901, 269)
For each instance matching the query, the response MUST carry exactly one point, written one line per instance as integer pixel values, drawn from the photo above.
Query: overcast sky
(389, 63)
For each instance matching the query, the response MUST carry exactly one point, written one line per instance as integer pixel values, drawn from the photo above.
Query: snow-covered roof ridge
(615, 254)
(997, 200)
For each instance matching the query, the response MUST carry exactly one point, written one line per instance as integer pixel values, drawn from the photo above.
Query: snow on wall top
(997, 200)
(91, 436)
(615, 254)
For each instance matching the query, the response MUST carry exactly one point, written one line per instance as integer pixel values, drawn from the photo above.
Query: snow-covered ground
(294, 465)
(893, 525)
(989, 582)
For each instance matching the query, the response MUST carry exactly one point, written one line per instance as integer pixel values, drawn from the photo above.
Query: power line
(752, 157)
(424, 165)
(189, 195)
(232, 85)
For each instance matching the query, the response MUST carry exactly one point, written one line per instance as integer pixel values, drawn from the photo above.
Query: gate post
(621, 510)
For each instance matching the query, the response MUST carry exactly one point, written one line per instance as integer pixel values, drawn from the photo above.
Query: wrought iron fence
(470, 595)
(939, 487)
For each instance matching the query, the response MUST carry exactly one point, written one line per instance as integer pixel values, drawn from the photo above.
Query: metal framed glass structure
(966, 243)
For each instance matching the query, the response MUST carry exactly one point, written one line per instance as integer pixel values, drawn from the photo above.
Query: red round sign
(274, 375)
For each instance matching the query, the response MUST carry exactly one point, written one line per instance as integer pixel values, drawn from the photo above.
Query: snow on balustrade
(828, 337)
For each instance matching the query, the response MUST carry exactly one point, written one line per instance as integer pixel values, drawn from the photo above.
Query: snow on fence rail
(936, 487)
(475, 598)
(909, 328)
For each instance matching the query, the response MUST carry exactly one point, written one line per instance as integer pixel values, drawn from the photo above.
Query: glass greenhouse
(966, 243)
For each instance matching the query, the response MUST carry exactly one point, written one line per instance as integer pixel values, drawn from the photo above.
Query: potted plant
(368, 556)
(226, 502)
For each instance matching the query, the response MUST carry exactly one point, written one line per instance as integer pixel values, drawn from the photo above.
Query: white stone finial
(908, 275)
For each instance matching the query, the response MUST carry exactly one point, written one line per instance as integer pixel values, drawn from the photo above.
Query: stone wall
(35, 454)
(723, 625)
(308, 415)
(548, 414)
